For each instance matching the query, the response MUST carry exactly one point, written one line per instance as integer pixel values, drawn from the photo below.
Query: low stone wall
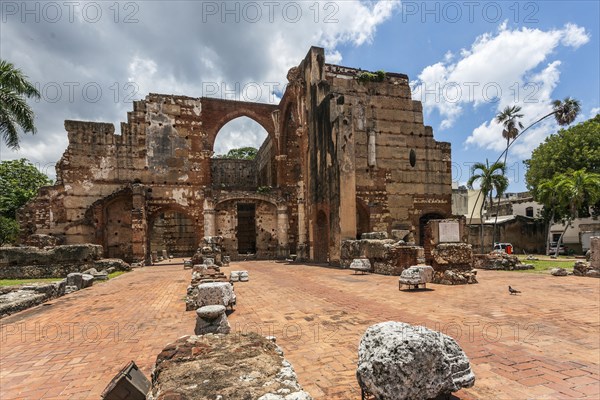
(387, 256)
(59, 261)
(499, 261)
(453, 264)
(219, 366)
(18, 298)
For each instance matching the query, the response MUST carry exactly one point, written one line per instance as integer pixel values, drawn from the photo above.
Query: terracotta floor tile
(520, 346)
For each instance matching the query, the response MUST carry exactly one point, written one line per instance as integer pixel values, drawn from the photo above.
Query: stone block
(216, 293)
(217, 366)
(211, 319)
(361, 264)
(416, 275)
(374, 235)
(398, 361)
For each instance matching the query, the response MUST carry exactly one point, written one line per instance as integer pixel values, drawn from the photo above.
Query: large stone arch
(217, 112)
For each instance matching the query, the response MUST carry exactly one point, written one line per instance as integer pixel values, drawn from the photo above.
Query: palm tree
(576, 189)
(565, 112)
(509, 118)
(14, 110)
(490, 178)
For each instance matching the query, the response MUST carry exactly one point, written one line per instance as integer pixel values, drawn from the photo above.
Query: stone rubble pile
(219, 366)
(584, 268)
(398, 361)
(210, 247)
(203, 274)
(500, 261)
(18, 298)
(208, 294)
(386, 256)
(453, 264)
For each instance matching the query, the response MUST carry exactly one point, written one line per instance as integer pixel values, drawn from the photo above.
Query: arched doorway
(321, 240)
(172, 232)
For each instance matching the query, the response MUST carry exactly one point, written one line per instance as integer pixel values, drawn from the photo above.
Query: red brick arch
(217, 112)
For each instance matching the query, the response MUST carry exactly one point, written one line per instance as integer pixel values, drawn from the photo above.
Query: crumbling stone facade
(343, 157)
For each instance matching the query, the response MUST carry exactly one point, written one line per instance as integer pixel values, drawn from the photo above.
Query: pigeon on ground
(513, 291)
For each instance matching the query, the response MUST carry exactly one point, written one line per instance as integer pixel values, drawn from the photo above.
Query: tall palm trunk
(498, 203)
(481, 226)
(561, 237)
(548, 233)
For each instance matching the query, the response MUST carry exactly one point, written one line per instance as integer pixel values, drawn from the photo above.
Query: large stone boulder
(558, 271)
(399, 361)
(217, 366)
(416, 275)
(115, 263)
(215, 293)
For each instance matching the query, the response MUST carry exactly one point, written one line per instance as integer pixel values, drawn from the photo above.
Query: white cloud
(494, 68)
(501, 68)
(594, 111)
(174, 47)
(575, 36)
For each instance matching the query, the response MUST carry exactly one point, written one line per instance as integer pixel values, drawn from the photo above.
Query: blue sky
(533, 52)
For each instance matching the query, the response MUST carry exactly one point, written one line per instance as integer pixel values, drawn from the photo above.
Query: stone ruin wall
(338, 157)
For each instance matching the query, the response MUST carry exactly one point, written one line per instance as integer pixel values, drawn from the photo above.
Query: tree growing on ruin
(15, 113)
(242, 153)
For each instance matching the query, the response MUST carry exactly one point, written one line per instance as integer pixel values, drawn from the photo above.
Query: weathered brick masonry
(342, 157)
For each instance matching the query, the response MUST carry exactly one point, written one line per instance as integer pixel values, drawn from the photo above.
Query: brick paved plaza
(542, 344)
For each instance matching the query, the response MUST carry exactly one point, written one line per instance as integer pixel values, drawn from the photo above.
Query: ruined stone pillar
(139, 225)
(282, 232)
(372, 151)
(210, 228)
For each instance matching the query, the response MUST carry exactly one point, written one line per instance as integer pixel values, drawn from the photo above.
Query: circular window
(412, 158)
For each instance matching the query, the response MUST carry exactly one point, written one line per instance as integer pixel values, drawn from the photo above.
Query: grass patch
(116, 273)
(543, 266)
(13, 282)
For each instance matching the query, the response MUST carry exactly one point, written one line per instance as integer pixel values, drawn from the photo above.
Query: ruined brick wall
(175, 233)
(266, 228)
(234, 174)
(402, 172)
(343, 157)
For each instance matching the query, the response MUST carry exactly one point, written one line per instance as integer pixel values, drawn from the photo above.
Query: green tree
(242, 153)
(19, 182)
(577, 147)
(15, 113)
(575, 190)
(9, 230)
(490, 178)
(548, 196)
